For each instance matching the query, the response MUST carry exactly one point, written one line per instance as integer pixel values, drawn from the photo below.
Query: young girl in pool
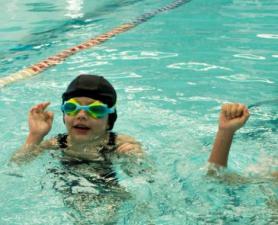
(85, 177)
(89, 109)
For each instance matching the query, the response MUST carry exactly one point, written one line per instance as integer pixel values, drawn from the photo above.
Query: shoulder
(126, 144)
(123, 138)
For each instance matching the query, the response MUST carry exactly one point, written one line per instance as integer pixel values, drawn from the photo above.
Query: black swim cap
(95, 87)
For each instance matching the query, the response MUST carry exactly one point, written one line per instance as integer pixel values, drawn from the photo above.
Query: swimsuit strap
(112, 139)
(62, 140)
(111, 145)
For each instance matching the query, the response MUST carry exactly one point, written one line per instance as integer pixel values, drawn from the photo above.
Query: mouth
(81, 128)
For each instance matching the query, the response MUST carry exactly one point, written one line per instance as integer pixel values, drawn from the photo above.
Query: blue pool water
(172, 73)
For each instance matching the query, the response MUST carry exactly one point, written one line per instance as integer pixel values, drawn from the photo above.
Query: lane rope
(60, 57)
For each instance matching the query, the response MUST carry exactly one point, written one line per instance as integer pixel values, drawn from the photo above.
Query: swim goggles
(96, 109)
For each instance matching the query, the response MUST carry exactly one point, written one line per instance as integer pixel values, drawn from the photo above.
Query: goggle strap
(112, 109)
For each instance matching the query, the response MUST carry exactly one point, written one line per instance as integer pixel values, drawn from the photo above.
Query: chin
(81, 138)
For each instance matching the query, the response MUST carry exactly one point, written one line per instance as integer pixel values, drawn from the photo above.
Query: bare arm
(232, 118)
(40, 123)
(27, 153)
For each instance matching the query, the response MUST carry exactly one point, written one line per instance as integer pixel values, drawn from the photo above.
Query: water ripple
(249, 56)
(133, 55)
(202, 99)
(132, 89)
(268, 36)
(161, 98)
(196, 66)
(87, 65)
(244, 78)
(146, 55)
(124, 75)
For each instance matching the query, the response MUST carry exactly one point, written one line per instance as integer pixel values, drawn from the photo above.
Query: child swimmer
(89, 108)
(85, 176)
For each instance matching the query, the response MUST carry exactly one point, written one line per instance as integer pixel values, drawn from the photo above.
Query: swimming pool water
(172, 74)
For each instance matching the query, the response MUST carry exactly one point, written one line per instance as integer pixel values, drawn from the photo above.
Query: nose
(82, 114)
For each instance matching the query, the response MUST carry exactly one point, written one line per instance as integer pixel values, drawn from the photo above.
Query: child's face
(82, 127)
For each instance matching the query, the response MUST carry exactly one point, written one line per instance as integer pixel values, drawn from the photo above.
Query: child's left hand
(128, 145)
(232, 117)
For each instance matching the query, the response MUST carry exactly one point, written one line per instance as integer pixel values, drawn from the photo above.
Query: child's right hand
(40, 122)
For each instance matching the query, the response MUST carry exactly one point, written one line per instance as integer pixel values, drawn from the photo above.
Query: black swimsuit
(85, 176)
(111, 145)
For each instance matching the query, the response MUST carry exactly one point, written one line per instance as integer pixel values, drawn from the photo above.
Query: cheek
(67, 120)
(101, 123)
